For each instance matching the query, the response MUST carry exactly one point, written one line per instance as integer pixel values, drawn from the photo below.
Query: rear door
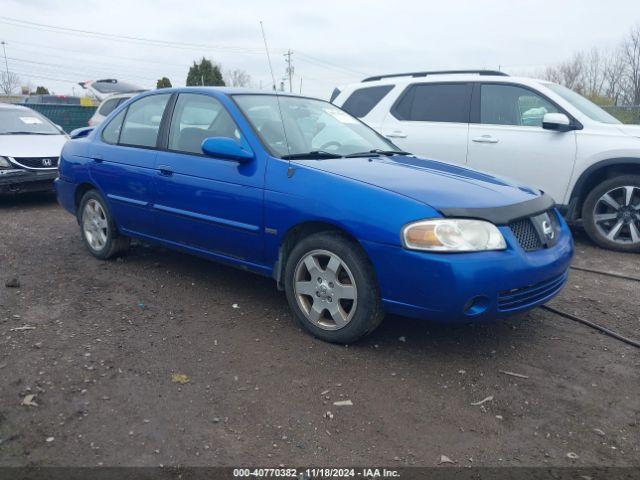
(209, 203)
(123, 164)
(506, 138)
(431, 120)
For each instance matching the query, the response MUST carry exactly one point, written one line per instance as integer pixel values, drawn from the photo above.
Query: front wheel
(611, 214)
(98, 228)
(331, 288)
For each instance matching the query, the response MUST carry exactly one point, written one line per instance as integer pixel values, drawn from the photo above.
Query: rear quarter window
(108, 106)
(363, 100)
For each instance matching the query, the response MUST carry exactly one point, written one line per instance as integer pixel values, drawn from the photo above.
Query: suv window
(196, 117)
(362, 101)
(108, 106)
(142, 121)
(435, 102)
(111, 132)
(512, 105)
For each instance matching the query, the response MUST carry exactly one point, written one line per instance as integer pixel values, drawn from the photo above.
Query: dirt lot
(108, 336)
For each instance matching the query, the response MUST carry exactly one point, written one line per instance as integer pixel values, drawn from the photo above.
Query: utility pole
(289, 68)
(4, 48)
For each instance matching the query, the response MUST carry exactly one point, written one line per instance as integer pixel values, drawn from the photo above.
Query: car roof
(13, 106)
(441, 77)
(227, 91)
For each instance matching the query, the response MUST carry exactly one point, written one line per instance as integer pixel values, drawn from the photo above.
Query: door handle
(97, 158)
(485, 139)
(397, 134)
(165, 170)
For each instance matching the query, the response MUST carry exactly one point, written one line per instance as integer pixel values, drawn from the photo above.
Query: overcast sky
(334, 42)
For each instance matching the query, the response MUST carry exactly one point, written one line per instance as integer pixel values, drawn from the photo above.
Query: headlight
(452, 235)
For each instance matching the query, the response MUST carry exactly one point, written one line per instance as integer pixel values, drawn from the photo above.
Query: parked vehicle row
(536, 132)
(349, 225)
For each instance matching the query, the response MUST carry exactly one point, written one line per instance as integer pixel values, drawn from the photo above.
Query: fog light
(476, 306)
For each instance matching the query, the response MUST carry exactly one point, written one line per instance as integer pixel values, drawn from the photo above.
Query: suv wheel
(331, 288)
(611, 214)
(98, 228)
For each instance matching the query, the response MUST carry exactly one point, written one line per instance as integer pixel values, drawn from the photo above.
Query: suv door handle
(485, 139)
(165, 170)
(397, 134)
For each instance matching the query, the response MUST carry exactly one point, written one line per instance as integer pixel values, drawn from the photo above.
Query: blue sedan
(294, 188)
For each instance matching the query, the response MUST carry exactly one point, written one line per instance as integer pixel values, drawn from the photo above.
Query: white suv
(537, 132)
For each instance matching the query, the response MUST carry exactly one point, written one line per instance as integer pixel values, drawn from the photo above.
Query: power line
(126, 38)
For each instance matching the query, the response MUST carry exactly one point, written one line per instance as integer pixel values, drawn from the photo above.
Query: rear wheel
(98, 228)
(611, 214)
(331, 288)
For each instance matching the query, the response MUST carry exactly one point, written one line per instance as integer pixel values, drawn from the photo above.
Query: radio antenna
(273, 79)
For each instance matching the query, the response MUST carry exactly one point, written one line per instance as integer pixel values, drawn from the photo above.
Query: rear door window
(142, 121)
(363, 100)
(435, 102)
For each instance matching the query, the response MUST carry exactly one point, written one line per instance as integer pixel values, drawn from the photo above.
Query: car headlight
(4, 162)
(452, 235)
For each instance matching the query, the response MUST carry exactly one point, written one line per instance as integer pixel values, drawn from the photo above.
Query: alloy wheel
(616, 215)
(325, 290)
(95, 225)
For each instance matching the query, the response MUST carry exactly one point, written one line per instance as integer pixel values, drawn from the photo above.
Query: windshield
(590, 109)
(310, 126)
(25, 121)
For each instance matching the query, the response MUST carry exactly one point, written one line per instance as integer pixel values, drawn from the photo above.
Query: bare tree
(568, 73)
(631, 53)
(9, 83)
(237, 78)
(593, 77)
(613, 72)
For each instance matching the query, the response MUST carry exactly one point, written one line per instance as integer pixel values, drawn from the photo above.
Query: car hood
(633, 130)
(31, 145)
(440, 185)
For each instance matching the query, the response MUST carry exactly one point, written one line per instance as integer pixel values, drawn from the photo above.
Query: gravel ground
(108, 343)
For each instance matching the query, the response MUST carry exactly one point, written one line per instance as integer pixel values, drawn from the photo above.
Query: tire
(610, 227)
(98, 228)
(348, 298)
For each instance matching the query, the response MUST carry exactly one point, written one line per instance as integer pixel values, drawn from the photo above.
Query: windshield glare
(310, 125)
(587, 107)
(24, 120)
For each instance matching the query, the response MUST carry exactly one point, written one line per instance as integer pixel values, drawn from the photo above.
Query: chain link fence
(625, 113)
(69, 117)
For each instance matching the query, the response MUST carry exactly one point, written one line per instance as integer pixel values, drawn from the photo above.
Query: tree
(205, 73)
(42, 90)
(9, 83)
(237, 78)
(631, 53)
(163, 82)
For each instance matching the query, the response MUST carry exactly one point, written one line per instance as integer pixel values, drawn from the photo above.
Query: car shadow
(460, 339)
(31, 200)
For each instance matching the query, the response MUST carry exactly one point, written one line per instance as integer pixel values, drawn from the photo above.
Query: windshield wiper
(314, 155)
(26, 133)
(376, 153)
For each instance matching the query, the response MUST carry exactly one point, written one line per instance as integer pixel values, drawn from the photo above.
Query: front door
(203, 202)
(509, 140)
(431, 120)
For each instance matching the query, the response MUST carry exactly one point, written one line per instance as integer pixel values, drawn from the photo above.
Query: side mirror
(80, 132)
(226, 148)
(556, 121)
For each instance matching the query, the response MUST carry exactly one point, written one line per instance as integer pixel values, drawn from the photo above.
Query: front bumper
(470, 286)
(16, 181)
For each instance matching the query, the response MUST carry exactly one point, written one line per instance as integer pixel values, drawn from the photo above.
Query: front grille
(523, 297)
(36, 162)
(526, 234)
